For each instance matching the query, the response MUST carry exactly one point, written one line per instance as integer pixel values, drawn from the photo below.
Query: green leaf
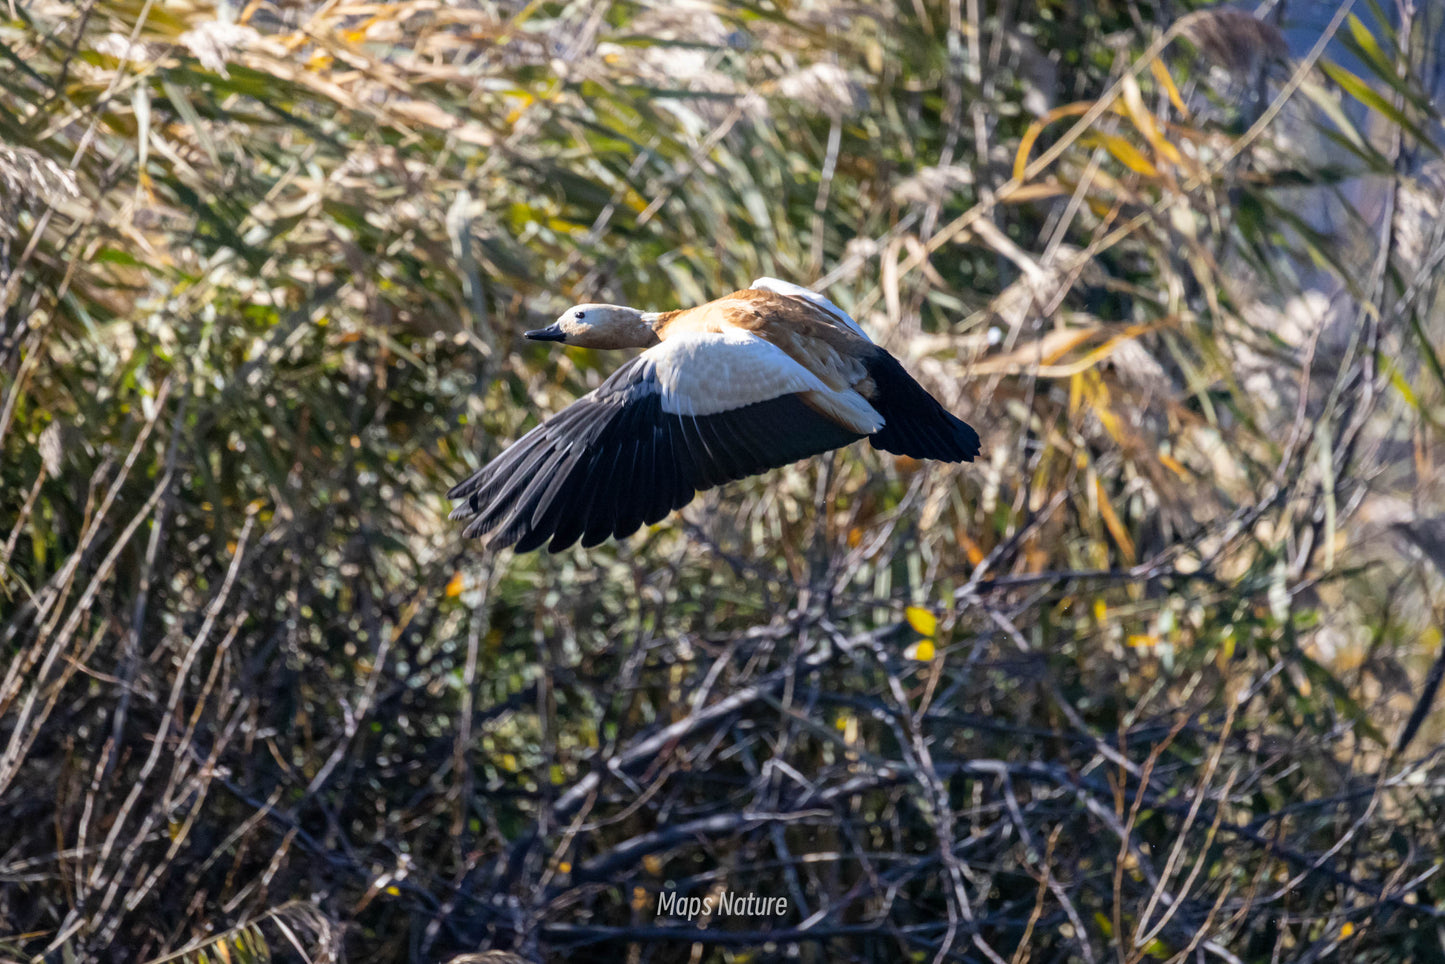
(1365, 41)
(1367, 95)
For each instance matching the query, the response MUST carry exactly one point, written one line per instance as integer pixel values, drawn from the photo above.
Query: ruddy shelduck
(752, 381)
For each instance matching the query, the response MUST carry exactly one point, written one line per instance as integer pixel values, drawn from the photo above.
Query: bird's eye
(581, 315)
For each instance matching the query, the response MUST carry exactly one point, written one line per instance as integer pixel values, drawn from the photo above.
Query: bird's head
(600, 326)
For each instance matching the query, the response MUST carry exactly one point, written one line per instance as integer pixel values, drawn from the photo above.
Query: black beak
(551, 333)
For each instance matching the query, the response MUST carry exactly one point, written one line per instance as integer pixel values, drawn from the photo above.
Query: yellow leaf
(1161, 74)
(564, 226)
(393, 890)
(1114, 524)
(1101, 610)
(1140, 640)
(1173, 465)
(634, 200)
(1043, 357)
(923, 651)
(1046, 350)
(1144, 121)
(1126, 154)
(1026, 143)
(564, 867)
(454, 588)
(924, 623)
(652, 863)
(1346, 929)
(1226, 650)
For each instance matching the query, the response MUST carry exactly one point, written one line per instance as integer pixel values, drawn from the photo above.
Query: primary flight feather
(752, 381)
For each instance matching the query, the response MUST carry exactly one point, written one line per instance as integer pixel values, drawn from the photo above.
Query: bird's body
(751, 381)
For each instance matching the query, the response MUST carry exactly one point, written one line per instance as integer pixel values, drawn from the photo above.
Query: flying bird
(750, 382)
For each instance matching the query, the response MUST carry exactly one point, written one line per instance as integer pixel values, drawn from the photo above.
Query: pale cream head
(600, 326)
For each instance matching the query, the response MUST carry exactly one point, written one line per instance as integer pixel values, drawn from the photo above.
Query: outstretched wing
(691, 413)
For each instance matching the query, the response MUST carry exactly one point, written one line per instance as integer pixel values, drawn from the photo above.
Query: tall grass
(1148, 681)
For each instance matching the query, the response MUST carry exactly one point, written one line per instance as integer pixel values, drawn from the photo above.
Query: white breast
(711, 372)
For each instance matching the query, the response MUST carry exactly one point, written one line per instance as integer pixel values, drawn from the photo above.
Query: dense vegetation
(1152, 680)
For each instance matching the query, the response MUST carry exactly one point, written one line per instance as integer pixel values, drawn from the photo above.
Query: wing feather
(917, 425)
(789, 290)
(694, 412)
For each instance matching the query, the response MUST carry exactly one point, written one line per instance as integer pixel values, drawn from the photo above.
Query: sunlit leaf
(922, 651)
(1161, 74)
(923, 621)
(1367, 95)
(1124, 152)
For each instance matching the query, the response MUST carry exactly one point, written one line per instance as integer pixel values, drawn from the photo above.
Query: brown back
(809, 335)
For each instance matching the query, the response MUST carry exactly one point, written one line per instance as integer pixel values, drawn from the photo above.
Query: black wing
(615, 459)
(914, 422)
